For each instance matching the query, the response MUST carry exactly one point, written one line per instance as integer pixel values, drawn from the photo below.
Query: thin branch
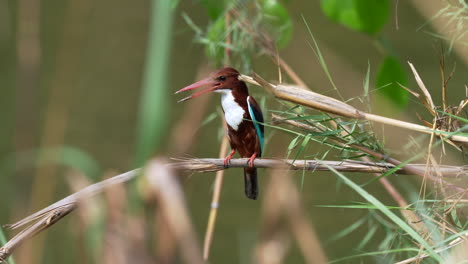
(56, 211)
(205, 165)
(47, 220)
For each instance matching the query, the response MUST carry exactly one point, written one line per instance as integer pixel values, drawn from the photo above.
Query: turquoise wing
(257, 118)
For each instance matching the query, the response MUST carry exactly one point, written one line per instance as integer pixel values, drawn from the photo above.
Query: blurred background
(74, 76)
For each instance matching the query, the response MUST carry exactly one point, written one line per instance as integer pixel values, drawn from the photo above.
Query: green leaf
(367, 16)
(293, 144)
(279, 21)
(366, 81)
(454, 116)
(370, 233)
(346, 231)
(390, 74)
(303, 145)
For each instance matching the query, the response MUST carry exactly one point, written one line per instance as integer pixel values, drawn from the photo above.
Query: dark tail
(251, 186)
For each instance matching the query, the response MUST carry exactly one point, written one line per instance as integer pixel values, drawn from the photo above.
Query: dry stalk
(46, 221)
(48, 216)
(330, 105)
(171, 200)
(218, 184)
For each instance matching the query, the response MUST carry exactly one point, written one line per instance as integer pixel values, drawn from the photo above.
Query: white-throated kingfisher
(243, 117)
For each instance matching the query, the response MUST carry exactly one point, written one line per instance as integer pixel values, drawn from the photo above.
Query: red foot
(228, 158)
(251, 159)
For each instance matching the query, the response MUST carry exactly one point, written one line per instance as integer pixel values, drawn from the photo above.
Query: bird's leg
(251, 159)
(228, 158)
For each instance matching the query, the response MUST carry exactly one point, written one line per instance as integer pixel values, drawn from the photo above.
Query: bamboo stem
(206, 165)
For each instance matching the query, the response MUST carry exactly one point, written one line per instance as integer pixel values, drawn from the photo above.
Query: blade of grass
(391, 171)
(375, 253)
(454, 116)
(319, 55)
(370, 233)
(154, 103)
(371, 199)
(366, 81)
(302, 147)
(346, 231)
(292, 145)
(358, 206)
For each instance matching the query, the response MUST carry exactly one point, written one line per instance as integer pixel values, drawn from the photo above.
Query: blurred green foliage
(279, 21)
(369, 17)
(214, 7)
(249, 19)
(216, 35)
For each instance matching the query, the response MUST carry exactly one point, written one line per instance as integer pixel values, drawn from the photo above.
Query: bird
(243, 117)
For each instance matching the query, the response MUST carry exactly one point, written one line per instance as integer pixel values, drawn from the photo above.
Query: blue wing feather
(257, 118)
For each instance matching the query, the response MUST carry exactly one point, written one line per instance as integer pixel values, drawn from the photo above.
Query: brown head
(224, 79)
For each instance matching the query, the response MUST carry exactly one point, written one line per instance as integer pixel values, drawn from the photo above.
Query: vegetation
(370, 140)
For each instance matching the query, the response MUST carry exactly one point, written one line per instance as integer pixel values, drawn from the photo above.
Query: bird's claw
(251, 160)
(227, 160)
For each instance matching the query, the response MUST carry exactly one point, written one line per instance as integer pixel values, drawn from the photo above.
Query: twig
(56, 211)
(205, 165)
(47, 220)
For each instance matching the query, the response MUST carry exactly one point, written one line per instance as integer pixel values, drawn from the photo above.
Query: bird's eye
(222, 78)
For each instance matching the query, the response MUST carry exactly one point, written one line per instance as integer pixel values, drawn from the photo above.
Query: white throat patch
(233, 113)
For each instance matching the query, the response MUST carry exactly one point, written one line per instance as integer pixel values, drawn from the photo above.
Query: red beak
(212, 85)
